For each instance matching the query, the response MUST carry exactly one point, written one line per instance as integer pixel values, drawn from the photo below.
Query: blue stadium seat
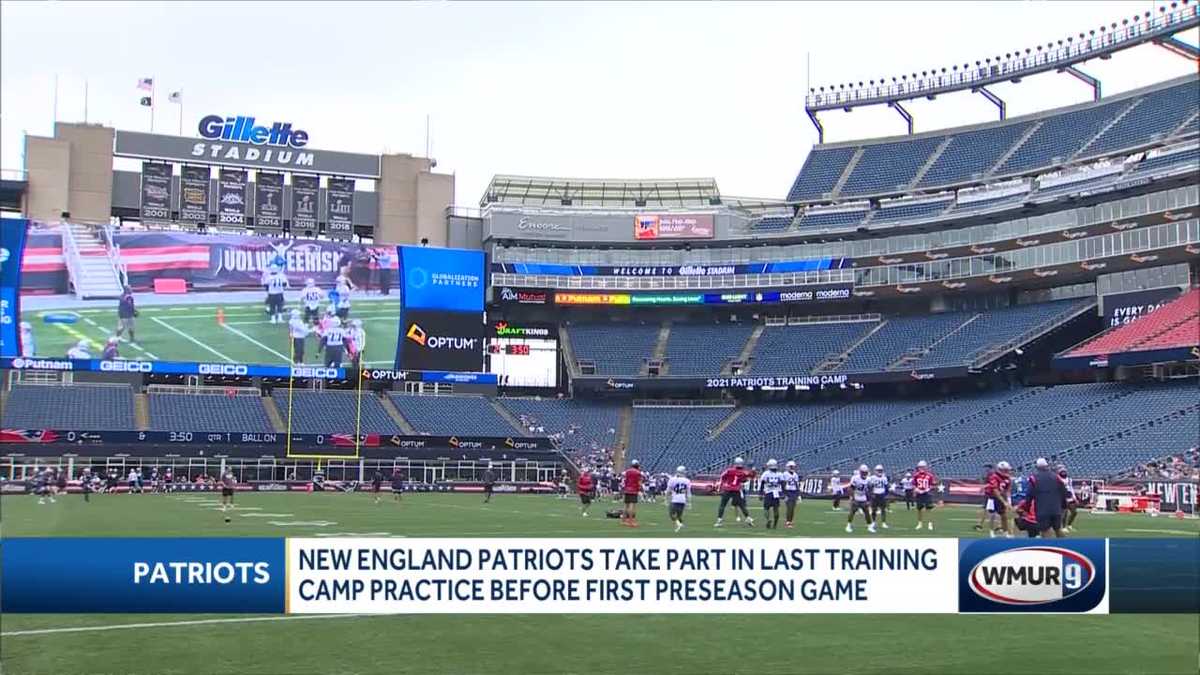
(194, 412)
(889, 167)
(820, 173)
(699, 349)
(1158, 114)
(822, 219)
(453, 415)
(323, 412)
(971, 154)
(81, 407)
(617, 349)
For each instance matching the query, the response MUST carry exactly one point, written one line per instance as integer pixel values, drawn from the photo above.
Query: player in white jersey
(771, 485)
(276, 283)
(80, 351)
(880, 485)
(791, 492)
(860, 493)
(344, 288)
(310, 298)
(906, 484)
(836, 489)
(1071, 509)
(28, 343)
(298, 330)
(335, 342)
(356, 342)
(680, 490)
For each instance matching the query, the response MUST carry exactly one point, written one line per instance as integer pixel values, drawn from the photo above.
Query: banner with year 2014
(594, 576)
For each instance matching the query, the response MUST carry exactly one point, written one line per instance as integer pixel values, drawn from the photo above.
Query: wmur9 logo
(1010, 576)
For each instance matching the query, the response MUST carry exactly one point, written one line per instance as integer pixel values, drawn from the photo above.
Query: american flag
(146, 84)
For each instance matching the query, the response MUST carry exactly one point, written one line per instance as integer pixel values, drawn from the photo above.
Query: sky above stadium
(631, 90)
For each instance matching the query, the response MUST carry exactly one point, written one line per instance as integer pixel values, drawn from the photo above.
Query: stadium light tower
(1065, 56)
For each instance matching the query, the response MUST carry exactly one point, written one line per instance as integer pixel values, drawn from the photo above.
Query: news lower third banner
(597, 576)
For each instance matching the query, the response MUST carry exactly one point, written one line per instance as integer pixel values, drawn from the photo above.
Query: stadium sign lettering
(311, 371)
(222, 369)
(526, 224)
(127, 366)
(299, 258)
(1032, 575)
(503, 330)
(242, 129)
(219, 151)
(41, 364)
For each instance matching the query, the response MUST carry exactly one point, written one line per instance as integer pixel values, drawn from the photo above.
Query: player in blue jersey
(791, 492)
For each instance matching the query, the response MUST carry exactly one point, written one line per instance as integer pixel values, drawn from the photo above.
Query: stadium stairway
(724, 424)
(398, 417)
(933, 157)
(836, 362)
(624, 433)
(913, 439)
(837, 187)
(916, 354)
(660, 349)
(141, 412)
(1070, 416)
(1015, 147)
(273, 415)
(1111, 123)
(564, 341)
(507, 416)
(747, 350)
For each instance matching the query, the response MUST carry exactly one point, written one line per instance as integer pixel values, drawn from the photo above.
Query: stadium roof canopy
(608, 192)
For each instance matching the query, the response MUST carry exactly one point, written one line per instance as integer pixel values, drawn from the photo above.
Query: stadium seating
(889, 167)
(898, 337)
(971, 154)
(1176, 324)
(664, 437)
(616, 349)
(1156, 116)
(996, 327)
(580, 423)
(193, 412)
(317, 412)
(772, 224)
(696, 349)
(820, 174)
(907, 210)
(799, 349)
(836, 218)
(82, 407)
(1025, 146)
(453, 415)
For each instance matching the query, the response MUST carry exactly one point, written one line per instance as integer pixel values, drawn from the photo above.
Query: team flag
(146, 101)
(146, 84)
(175, 97)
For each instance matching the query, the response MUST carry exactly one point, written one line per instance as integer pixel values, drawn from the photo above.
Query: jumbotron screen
(223, 304)
(523, 355)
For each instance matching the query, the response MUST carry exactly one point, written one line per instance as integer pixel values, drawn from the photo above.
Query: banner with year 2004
(231, 197)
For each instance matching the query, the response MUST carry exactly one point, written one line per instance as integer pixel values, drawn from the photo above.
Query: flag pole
(153, 84)
(180, 112)
(85, 101)
(55, 99)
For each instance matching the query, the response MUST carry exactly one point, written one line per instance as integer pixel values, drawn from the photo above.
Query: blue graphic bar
(100, 575)
(1155, 576)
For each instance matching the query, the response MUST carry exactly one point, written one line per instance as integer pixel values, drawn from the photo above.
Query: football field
(585, 644)
(210, 331)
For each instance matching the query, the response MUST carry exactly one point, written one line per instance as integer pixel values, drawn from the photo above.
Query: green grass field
(586, 644)
(191, 333)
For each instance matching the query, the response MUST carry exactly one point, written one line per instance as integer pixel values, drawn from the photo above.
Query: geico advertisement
(431, 340)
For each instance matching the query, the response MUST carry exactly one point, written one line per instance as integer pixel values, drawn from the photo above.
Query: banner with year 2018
(339, 205)
(231, 197)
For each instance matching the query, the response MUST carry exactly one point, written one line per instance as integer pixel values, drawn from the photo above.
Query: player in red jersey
(632, 487)
(999, 494)
(731, 491)
(585, 486)
(924, 483)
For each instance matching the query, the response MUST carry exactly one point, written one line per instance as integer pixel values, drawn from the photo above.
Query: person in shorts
(377, 485)
(228, 484)
(397, 484)
(586, 487)
(924, 483)
(489, 484)
(632, 488)
(679, 492)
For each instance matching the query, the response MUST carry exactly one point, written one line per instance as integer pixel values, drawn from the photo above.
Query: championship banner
(595, 576)
(193, 194)
(305, 192)
(231, 197)
(339, 207)
(268, 201)
(156, 191)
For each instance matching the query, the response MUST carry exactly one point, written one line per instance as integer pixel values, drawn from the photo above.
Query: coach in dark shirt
(1049, 493)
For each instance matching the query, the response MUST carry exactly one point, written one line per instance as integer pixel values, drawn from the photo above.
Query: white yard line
(168, 624)
(191, 339)
(104, 330)
(235, 331)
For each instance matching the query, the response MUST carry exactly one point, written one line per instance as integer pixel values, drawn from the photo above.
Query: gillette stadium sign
(245, 141)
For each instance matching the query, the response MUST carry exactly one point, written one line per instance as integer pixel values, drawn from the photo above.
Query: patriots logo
(28, 436)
